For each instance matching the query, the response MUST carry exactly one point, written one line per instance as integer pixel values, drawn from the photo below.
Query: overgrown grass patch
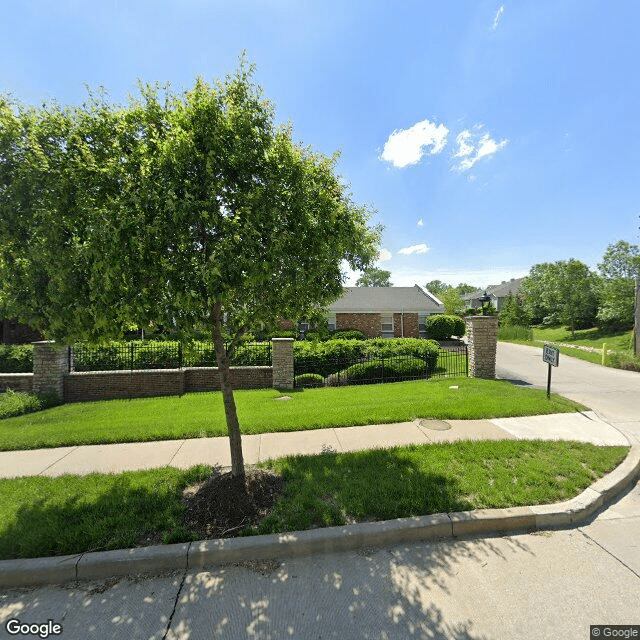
(17, 403)
(334, 489)
(202, 414)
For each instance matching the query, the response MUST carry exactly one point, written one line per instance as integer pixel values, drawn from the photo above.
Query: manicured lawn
(42, 516)
(260, 411)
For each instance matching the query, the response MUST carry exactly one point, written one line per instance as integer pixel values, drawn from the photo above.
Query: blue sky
(488, 136)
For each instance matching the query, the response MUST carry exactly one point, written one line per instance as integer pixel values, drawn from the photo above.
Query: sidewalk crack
(59, 460)
(615, 557)
(175, 605)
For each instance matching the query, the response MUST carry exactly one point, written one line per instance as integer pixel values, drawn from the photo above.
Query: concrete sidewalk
(115, 458)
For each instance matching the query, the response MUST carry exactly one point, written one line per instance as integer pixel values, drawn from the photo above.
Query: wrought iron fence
(162, 355)
(452, 361)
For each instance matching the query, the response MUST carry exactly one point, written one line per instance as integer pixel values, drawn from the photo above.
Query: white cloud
(496, 20)
(384, 255)
(416, 248)
(473, 146)
(408, 146)
(420, 223)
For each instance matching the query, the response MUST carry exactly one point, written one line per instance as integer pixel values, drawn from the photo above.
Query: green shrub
(383, 370)
(325, 358)
(16, 358)
(309, 380)
(426, 350)
(17, 403)
(442, 327)
(347, 334)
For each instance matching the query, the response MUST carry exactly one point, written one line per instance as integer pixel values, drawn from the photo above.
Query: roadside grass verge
(202, 414)
(618, 341)
(42, 516)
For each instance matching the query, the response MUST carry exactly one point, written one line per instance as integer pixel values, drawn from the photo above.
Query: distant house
(13, 332)
(387, 312)
(497, 292)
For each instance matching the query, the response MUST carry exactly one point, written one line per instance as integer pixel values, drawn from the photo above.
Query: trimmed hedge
(309, 380)
(16, 358)
(162, 355)
(336, 334)
(442, 327)
(325, 358)
(374, 371)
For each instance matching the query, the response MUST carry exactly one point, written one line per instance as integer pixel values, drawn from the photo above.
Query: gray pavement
(547, 584)
(115, 458)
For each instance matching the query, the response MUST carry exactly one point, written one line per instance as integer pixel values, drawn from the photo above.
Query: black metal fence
(452, 361)
(163, 355)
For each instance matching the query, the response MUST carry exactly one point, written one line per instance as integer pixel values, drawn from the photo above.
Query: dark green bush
(383, 370)
(347, 334)
(325, 358)
(442, 327)
(309, 380)
(16, 358)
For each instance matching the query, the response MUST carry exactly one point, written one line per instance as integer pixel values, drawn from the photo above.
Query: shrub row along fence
(138, 355)
(383, 365)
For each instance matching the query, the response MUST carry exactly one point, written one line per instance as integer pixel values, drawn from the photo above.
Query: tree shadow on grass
(70, 515)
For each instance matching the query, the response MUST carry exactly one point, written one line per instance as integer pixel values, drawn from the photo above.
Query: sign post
(552, 356)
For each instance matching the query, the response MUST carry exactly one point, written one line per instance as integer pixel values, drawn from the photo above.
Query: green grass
(202, 414)
(42, 516)
(591, 338)
(71, 514)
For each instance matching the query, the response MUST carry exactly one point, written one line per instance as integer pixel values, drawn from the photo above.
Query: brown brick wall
(16, 382)
(368, 323)
(410, 325)
(109, 385)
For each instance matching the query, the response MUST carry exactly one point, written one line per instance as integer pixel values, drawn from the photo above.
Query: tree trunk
(233, 426)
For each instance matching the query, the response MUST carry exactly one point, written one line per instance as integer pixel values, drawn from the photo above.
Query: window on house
(422, 326)
(386, 326)
(331, 321)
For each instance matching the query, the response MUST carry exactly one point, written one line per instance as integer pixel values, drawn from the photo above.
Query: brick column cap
(282, 340)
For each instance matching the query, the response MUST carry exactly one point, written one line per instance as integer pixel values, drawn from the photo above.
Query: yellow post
(604, 353)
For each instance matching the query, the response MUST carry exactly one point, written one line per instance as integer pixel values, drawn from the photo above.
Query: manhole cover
(435, 425)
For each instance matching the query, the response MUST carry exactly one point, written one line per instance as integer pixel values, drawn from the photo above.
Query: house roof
(497, 290)
(391, 299)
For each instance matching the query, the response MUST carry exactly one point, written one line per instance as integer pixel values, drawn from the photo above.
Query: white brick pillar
(50, 364)
(482, 334)
(282, 362)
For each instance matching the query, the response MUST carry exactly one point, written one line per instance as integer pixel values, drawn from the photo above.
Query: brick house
(388, 312)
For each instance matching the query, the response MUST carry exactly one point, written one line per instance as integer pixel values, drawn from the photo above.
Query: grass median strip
(42, 516)
(202, 414)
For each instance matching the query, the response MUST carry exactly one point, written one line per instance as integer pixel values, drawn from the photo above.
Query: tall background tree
(373, 277)
(616, 288)
(562, 292)
(185, 210)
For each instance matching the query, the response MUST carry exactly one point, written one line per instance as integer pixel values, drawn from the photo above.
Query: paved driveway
(614, 394)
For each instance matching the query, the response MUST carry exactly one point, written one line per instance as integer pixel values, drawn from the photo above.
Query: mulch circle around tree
(221, 508)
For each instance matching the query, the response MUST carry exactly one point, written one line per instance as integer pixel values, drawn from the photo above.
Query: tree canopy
(180, 209)
(373, 277)
(560, 292)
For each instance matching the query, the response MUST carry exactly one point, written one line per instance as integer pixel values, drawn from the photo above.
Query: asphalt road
(551, 584)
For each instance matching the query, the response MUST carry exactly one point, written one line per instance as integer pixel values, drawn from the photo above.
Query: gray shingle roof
(497, 290)
(391, 299)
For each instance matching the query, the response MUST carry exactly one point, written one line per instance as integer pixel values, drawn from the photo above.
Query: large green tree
(619, 267)
(373, 277)
(560, 292)
(188, 210)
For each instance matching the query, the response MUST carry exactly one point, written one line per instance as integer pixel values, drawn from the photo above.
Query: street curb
(204, 553)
